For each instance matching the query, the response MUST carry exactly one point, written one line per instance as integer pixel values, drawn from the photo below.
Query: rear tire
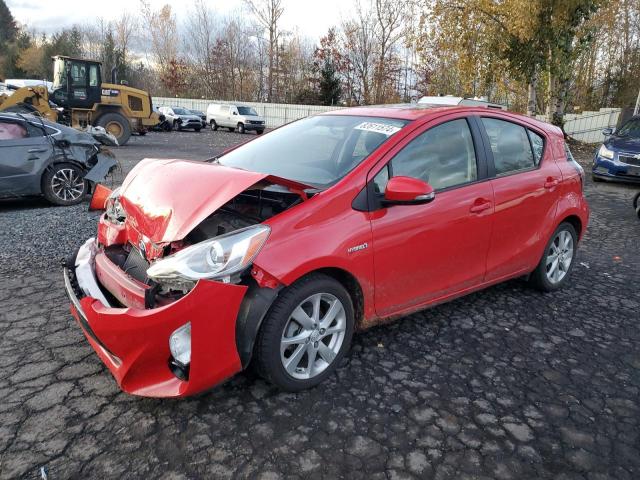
(197, 129)
(556, 264)
(64, 184)
(296, 355)
(116, 124)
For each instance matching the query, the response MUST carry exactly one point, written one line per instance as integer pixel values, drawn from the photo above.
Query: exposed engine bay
(251, 207)
(248, 208)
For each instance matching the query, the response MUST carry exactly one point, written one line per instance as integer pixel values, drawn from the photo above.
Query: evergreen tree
(8, 28)
(330, 88)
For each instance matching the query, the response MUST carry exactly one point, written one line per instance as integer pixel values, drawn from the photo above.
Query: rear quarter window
(537, 145)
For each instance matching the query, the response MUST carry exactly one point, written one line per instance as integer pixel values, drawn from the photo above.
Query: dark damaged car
(38, 157)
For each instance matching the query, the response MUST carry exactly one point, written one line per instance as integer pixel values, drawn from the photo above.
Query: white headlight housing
(180, 344)
(114, 211)
(604, 152)
(217, 258)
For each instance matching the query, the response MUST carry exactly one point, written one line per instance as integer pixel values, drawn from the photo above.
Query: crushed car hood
(166, 199)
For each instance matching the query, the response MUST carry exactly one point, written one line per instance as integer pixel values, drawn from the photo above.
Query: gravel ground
(505, 383)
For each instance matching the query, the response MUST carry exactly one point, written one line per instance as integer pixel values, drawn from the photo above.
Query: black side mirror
(607, 132)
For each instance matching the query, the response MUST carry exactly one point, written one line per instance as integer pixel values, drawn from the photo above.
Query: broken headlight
(218, 258)
(113, 209)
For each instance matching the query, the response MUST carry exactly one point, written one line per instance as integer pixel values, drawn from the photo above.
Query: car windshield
(247, 111)
(180, 111)
(316, 151)
(630, 129)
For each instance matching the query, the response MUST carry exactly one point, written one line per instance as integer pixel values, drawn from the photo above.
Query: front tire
(306, 333)
(240, 127)
(552, 273)
(214, 125)
(259, 132)
(117, 125)
(64, 184)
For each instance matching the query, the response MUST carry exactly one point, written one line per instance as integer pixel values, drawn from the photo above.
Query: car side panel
(524, 218)
(22, 162)
(571, 199)
(319, 234)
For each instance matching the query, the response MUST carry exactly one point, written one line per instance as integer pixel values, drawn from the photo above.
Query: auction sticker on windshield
(383, 128)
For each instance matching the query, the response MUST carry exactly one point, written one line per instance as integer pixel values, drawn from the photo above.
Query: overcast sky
(312, 18)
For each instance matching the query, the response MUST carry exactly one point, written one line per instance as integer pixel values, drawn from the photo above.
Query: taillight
(575, 165)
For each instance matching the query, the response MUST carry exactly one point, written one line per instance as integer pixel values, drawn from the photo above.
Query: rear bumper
(134, 342)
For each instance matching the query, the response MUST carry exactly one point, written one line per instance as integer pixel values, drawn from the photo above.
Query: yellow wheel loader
(80, 99)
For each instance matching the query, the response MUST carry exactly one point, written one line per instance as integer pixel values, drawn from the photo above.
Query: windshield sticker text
(383, 128)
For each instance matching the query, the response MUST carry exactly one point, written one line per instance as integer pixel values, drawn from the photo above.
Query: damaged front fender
(102, 168)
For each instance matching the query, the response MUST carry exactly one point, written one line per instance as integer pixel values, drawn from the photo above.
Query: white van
(234, 117)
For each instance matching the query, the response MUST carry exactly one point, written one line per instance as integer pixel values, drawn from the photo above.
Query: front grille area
(136, 265)
(629, 160)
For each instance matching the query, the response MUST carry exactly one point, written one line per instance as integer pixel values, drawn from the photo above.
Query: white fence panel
(275, 114)
(587, 126)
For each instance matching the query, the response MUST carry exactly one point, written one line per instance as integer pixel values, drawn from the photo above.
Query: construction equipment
(80, 99)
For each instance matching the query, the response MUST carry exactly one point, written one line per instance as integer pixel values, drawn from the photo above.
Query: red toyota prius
(278, 250)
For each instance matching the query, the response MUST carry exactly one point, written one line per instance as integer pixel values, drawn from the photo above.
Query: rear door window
(510, 146)
(12, 131)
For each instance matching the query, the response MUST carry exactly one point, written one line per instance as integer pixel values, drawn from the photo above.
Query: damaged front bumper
(134, 342)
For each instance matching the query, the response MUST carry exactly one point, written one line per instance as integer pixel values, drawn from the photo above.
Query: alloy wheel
(313, 336)
(559, 256)
(67, 184)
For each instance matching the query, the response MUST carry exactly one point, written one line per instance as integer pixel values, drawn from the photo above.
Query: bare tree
(201, 47)
(389, 16)
(268, 13)
(161, 34)
(359, 48)
(124, 29)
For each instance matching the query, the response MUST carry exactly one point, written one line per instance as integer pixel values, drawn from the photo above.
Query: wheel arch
(575, 222)
(258, 302)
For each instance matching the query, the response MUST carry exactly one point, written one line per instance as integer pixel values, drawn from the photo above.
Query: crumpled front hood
(166, 199)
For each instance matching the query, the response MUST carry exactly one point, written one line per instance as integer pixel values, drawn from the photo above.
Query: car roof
(414, 111)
